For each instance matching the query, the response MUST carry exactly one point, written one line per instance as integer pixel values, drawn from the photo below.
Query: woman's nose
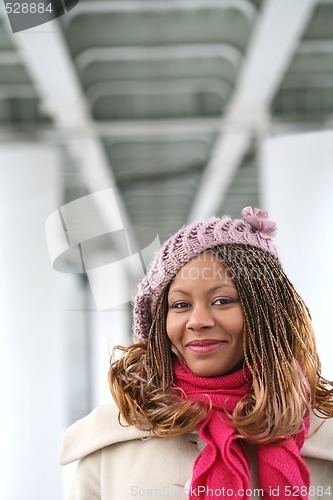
(200, 318)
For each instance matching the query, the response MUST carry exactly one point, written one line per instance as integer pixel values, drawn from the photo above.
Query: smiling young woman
(223, 378)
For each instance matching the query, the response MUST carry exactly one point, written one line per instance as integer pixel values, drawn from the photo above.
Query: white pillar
(31, 338)
(297, 191)
(110, 328)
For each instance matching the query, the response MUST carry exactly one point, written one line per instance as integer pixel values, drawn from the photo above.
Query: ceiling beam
(315, 47)
(171, 53)
(124, 131)
(162, 87)
(45, 56)
(143, 131)
(244, 6)
(175, 127)
(308, 81)
(265, 64)
(18, 90)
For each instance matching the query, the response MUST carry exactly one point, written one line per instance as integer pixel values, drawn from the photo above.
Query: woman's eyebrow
(178, 290)
(212, 289)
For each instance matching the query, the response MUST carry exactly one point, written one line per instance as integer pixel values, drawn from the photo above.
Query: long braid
(159, 347)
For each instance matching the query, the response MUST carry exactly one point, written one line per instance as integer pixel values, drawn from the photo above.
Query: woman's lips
(204, 346)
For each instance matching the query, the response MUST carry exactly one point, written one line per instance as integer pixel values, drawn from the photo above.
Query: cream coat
(119, 463)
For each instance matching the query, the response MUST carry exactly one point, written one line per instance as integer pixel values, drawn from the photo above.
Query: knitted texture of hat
(255, 230)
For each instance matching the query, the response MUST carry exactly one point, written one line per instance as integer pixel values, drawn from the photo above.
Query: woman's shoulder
(95, 431)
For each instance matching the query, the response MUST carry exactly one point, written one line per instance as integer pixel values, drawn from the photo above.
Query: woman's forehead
(205, 267)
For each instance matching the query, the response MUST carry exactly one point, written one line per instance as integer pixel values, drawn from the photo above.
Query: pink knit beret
(255, 230)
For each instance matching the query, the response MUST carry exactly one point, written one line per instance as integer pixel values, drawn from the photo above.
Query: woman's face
(205, 318)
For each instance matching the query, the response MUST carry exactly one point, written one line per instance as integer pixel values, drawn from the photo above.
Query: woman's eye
(179, 305)
(222, 301)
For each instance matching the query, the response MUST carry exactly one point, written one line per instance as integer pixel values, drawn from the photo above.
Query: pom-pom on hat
(255, 230)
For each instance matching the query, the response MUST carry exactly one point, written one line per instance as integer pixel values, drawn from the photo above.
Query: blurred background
(120, 121)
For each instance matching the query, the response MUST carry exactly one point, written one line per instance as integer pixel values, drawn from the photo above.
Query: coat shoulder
(319, 442)
(95, 431)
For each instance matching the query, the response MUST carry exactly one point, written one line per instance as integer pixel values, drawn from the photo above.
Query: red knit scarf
(224, 463)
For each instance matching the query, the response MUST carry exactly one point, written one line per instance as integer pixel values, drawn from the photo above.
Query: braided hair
(279, 349)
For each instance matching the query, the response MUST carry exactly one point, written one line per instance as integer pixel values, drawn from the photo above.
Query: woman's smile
(205, 346)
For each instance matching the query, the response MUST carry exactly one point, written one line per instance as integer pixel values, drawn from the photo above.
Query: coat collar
(97, 430)
(101, 428)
